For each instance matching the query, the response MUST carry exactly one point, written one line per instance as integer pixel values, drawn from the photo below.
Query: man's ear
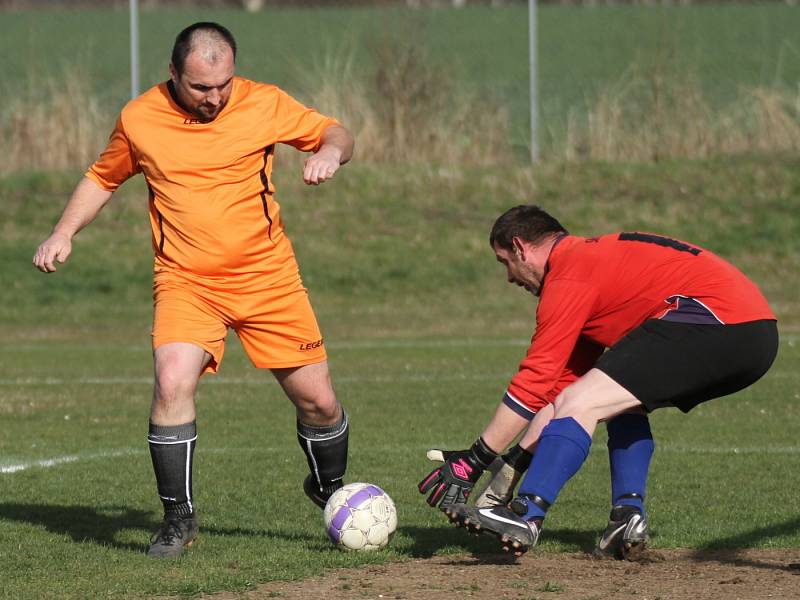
(173, 74)
(519, 247)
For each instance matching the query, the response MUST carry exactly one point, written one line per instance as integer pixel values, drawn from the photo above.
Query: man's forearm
(503, 428)
(339, 139)
(86, 201)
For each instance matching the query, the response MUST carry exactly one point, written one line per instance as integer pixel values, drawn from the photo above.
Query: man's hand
(86, 201)
(321, 166)
(453, 481)
(336, 149)
(55, 248)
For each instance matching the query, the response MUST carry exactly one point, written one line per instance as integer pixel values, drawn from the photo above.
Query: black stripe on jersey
(160, 218)
(660, 240)
(265, 183)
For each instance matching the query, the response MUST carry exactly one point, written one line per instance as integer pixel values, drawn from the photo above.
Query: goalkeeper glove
(453, 481)
(504, 472)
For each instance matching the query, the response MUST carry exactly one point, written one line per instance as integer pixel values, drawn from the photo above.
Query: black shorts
(667, 363)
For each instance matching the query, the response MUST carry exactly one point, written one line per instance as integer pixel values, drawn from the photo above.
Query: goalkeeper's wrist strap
(482, 453)
(518, 458)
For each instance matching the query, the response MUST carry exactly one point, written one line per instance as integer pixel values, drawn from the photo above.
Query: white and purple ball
(360, 516)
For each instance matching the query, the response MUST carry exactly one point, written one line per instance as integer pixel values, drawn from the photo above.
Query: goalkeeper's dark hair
(525, 221)
(187, 39)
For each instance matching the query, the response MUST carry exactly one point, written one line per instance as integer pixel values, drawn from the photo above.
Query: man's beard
(207, 115)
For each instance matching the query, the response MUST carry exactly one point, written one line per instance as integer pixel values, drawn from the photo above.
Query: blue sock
(630, 446)
(562, 448)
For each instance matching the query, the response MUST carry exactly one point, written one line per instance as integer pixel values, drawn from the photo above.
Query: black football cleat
(174, 534)
(626, 535)
(317, 494)
(515, 533)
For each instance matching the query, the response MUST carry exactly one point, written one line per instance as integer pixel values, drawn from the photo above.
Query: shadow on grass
(101, 524)
(729, 549)
(85, 523)
(485, 548)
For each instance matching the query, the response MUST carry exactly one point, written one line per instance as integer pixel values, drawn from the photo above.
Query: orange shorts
(275, 323)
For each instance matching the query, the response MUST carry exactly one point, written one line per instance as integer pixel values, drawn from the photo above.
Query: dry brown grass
(53, 124)
(652, 116)
(411, 110)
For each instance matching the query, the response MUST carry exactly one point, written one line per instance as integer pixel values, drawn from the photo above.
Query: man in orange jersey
(681, 326)
(204, 141)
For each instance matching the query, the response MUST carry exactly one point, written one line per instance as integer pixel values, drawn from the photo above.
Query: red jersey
(596, 290)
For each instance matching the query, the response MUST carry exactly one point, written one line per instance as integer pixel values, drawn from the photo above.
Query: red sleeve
(556, 355)
(298, 125)
(117, 163)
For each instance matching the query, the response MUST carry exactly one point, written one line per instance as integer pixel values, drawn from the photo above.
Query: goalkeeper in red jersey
(626, 323)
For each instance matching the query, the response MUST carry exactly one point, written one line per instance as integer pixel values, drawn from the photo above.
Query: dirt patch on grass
(660, 575)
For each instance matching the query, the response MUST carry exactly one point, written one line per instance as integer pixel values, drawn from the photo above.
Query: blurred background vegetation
(618, 82)
(679, 119)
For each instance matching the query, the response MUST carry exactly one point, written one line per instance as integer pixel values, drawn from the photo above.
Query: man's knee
(318, 410)
(310, 390)
(177, 370)
(172, 386)
(570, 403)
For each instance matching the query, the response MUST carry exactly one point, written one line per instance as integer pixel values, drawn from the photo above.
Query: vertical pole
(134, 10)
(532, 39)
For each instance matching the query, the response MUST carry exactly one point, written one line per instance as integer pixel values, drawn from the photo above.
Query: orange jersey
(212, 209)
(596, 290)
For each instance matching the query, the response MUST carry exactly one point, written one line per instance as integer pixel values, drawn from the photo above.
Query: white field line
(343, 345)
(661, 448)
(22, 381)
(785, 338)
(217, 380)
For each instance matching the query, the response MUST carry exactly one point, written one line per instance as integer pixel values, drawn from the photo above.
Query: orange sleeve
(117, 163)
(298, 125)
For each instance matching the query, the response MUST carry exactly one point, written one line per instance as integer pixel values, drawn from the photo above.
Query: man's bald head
(210, 41)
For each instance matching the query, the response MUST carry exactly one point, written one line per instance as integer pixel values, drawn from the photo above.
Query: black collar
(556, 242)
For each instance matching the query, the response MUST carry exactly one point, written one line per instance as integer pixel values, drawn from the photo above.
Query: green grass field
(581, 50)
(418, 319)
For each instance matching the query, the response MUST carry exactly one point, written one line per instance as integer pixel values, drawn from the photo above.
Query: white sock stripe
(188, 472)
(326, 437)
(314, 466)
(161, 443)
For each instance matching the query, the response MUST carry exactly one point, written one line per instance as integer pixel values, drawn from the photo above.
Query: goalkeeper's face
(204, 87)
(524, 265)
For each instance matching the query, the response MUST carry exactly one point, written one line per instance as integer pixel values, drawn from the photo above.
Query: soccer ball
(360, 516)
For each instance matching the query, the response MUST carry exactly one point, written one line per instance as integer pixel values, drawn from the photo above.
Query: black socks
(326, 451)
(172, 450)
